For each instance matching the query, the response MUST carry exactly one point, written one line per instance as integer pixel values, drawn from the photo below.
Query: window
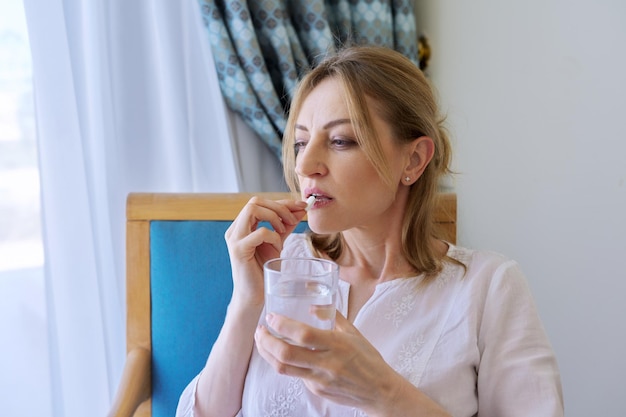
(24, 361)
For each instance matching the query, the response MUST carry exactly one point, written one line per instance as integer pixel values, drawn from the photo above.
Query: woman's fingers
(344, 325)
(302, 335)
(247, 241)
(285, 357)
(297, 333)
(327, 361)
(249, 246)
(283, 215)
(261, 239)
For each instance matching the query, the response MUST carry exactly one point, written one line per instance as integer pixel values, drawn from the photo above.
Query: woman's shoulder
(478, 258)
(485, 265)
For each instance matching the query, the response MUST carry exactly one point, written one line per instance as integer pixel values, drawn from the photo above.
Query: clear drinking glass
(303, 289)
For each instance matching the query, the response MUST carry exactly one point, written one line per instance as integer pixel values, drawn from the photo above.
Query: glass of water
(303, 289)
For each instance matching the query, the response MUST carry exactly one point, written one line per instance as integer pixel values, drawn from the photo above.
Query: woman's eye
(298, 145)
(340, 142)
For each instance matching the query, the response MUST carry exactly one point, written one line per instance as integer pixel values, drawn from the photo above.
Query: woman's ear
(421, 152)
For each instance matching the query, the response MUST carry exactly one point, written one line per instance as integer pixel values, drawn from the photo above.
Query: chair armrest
(135, 384)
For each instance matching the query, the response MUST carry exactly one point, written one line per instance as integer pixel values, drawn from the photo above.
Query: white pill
(309, 202)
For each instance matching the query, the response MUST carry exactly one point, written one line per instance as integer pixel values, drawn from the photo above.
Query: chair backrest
(179, 283)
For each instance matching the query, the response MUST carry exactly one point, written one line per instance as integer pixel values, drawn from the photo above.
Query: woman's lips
(320, 201)
(318, 193)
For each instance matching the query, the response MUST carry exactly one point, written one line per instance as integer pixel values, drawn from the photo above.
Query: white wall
(535, 93)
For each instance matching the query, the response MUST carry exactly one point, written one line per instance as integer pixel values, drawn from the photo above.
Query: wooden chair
(178, 287)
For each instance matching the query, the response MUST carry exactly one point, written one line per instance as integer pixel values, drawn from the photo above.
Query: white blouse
(471, 340)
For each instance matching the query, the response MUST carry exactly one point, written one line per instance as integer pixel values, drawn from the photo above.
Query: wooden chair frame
(133, 397)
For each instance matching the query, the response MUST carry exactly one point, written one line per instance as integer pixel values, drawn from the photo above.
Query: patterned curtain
(262, 47)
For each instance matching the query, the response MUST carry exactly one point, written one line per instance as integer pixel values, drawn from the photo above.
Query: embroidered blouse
(471, 340)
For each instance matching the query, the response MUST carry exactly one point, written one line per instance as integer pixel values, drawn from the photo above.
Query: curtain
(126, 99)
(261, 48)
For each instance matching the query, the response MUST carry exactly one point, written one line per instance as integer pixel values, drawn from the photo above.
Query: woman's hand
(249, 246)
(342, 366)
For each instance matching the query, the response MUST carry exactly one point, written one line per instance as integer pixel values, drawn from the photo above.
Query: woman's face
(331, 164)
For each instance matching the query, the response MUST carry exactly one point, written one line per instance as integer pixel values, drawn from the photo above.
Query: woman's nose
(310, 160)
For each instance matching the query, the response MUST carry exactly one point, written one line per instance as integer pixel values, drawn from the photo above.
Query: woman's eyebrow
(300, 127)
(334, 123)
(328, 125)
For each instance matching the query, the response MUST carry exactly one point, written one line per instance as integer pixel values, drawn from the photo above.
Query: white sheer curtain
(126, 100)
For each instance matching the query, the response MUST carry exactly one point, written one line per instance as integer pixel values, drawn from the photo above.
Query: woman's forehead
(327, 100)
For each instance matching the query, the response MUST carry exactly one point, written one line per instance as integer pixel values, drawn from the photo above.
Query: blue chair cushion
(190, 288)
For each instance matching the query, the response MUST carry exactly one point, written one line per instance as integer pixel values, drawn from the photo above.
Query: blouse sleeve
(187, 399)
(518, 374)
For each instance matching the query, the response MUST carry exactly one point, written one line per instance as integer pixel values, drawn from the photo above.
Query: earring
(407, 179)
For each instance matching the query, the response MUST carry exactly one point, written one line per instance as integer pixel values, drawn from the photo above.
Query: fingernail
(269, 318)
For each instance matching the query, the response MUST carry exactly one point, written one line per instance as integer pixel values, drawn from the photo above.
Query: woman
(424, 328)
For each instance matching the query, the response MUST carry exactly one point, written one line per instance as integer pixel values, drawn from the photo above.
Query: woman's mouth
(317, 200)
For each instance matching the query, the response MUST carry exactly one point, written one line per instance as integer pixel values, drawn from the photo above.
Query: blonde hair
(403, 98)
